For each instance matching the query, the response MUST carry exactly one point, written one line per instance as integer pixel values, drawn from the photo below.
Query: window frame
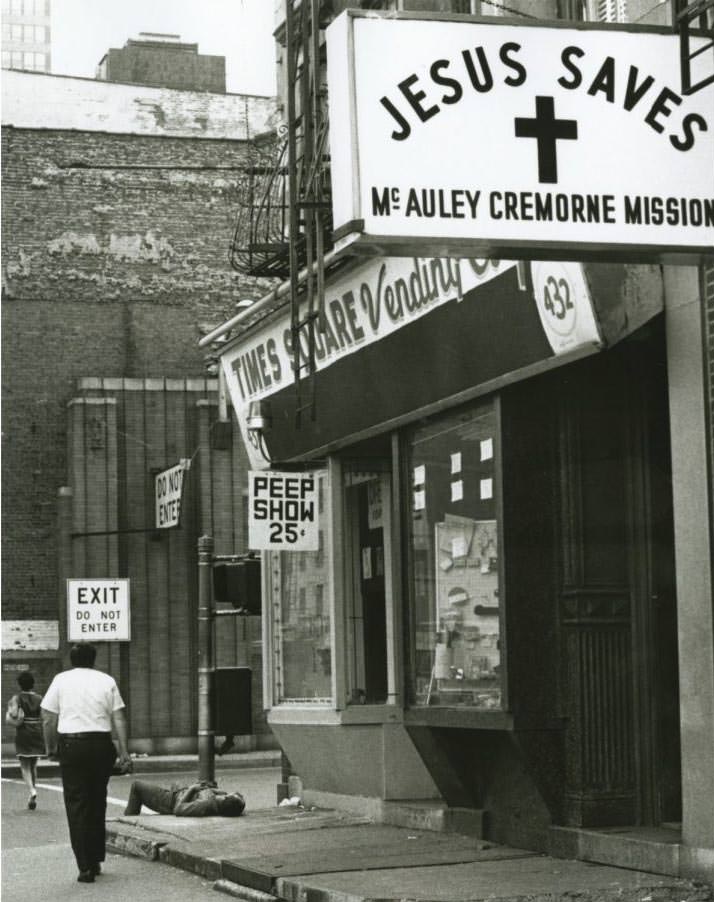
(334, 601)
(462, 715)
(390, 538)
(270, 647)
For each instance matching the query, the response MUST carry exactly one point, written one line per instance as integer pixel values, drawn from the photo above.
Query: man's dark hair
(232, 805)
(82, 654)
(26, 681)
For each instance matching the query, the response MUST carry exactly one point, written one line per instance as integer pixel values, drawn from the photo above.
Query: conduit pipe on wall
(274, 295)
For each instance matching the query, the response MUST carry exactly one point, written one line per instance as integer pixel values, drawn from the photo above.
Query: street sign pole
(206, 664)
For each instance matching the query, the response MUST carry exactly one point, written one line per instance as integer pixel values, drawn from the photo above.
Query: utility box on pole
(232, 707)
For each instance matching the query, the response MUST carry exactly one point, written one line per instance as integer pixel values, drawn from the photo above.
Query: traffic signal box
(238, 582)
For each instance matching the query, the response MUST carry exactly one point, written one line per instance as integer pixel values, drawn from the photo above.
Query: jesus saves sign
(537, 139)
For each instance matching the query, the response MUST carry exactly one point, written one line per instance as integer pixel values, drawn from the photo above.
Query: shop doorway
(367, 492)
(616, 597)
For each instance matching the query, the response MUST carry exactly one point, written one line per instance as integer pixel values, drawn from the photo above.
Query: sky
(240, 30)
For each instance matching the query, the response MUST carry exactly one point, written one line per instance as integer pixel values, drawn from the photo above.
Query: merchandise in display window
(454, 540)
(299, 586)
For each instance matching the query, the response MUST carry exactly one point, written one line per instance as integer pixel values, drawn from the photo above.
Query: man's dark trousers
(86, 762)
(155, 797)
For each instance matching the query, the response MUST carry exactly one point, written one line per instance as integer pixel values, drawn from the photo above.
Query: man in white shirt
(78, 712)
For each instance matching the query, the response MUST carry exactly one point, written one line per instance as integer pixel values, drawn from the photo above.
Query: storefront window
(455, 561)
(302, 651)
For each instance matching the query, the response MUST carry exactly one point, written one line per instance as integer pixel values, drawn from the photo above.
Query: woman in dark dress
(29, 742)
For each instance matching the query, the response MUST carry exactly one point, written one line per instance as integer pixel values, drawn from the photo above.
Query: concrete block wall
(39, 101)
(120, 432)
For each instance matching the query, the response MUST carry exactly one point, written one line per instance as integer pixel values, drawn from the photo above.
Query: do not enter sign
(283, 512)
(169, 488)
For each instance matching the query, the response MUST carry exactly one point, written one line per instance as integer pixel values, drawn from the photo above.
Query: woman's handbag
(15, 714)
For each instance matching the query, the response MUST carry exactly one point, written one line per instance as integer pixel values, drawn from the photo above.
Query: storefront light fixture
(259, 421)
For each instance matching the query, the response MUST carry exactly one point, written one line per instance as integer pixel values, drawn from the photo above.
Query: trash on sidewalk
(292, 802)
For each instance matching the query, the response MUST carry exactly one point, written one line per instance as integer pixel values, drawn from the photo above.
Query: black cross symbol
(546, 129)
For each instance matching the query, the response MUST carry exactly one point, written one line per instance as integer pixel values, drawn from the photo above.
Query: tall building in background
(26, 35)
(163, 61)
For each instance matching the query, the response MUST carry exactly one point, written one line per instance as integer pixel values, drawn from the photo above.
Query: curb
(133, 846)
(242, 892)
(210, 868)
(160, 850)
(293, 891)
(157, 765)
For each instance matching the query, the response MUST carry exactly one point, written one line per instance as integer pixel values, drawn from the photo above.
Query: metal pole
(206, 768)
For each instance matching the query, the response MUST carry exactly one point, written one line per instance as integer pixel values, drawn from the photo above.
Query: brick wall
(115, 254)
(115, 261)
(121, 217)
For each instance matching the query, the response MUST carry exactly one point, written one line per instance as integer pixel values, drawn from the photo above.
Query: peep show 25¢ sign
(283, 511)
(98, 610)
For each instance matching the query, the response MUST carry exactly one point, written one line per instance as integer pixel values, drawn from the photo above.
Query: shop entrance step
(654, 849)
(435, 815)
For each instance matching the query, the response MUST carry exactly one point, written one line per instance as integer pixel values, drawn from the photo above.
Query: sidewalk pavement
(156, 764)
(320, 855)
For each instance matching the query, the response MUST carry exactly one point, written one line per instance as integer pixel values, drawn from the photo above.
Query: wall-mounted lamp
(259, 421)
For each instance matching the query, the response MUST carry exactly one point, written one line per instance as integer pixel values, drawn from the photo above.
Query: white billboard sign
(283, 511)
(168, 492)
(535, 141)
(98, 610)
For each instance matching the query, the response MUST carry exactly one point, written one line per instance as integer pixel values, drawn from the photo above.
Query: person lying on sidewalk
(198, 800)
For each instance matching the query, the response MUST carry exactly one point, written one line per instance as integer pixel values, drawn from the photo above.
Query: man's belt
(92, 734)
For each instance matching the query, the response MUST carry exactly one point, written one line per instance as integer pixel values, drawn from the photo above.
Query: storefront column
(692, 521)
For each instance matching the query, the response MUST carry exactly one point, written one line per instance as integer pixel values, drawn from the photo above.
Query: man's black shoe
(96, 869)
(85, 877)
(225, 746)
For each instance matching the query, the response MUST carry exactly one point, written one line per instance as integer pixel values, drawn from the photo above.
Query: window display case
(454, 556)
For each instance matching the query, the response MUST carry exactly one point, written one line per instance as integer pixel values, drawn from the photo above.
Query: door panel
(617, 604)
